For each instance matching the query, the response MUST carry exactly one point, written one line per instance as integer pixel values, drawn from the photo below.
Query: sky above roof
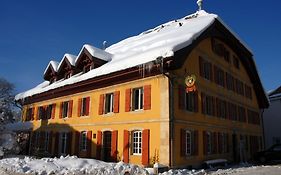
(34, 32)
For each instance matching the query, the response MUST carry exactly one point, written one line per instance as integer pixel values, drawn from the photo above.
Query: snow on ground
(66, 166)
(71, 165)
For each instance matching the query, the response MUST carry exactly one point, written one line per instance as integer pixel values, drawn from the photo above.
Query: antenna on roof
(200, 4)
(104, 45)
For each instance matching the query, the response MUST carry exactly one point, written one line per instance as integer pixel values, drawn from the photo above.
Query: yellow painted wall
(201, 122)
(153, 119)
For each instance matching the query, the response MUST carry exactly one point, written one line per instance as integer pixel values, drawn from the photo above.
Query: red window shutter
(116, 101)
(70, 108)
(56, 149)
(50, 144)
(53, 110)
(128, 100)
(126, 147)
(181, 97)
(69, 143)
(147, 97)
(87, 106)
(203, 103)
(114, 141)
(201, 68)
(205, 142)
(196, 101)
(99, 140)
(79, 107)
(101, 104)
(183, 142)
(195, 143)
(145, 147)
(61, 109)
(77, 143)
(89, 143)
(214, 151)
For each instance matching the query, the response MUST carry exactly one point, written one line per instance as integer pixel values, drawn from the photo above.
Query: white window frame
(65, 108)
(83, 141)
(188, 142)
(138, 99)
(109, 103)
(137, 142)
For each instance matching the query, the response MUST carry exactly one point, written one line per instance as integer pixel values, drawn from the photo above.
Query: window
(219, 76)
(230, 82)
(236, 62)
(209, 142)
(208, 105)
(63, 143)
(41, 112)
(253, 117)
(49, 111)
(226, 55)
(248, 92)
(47, 141)
(239, 87)
(52, 80)
(190, 101)
(188, 142)
(137, 142)
(83, 141)
(232, 112)
(242, 114)
(222, 108)
(109, 103)
(84, 106)
(224, 142)
(65, 106)
(67, 74)
(29, 114)
(137, 99)
(87, 68)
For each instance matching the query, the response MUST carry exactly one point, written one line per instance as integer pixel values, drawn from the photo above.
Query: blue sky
(34, 32)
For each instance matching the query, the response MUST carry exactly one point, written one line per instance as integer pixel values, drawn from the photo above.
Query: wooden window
(137, 142)
(207, 70)
(191, 101)
(29, 114)
(83, 106)
(226, 55)
(241, 114)
(137, 99)
(87, 68)
(109, 102)
(221, 108)
(63, 143)
(41, 113)
(65, 109)
(239, 87)
(236, 62)
(232, 112)
(49, 111)
(219, 76)
(248, 91)
(208, 104)
(230, 82)
(187, 142)
(47, 141)
(253, 117)
(83, 141)
(209, 142)
(217, 47)
(223, 142)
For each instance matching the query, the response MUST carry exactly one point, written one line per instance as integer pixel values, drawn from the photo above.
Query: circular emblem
(190, 83)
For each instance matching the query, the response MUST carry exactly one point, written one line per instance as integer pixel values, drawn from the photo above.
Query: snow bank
(68, 165)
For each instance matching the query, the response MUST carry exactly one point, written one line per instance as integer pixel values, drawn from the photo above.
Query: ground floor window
(209, 142)
(137, 142)
(83, 141)
(63, 143)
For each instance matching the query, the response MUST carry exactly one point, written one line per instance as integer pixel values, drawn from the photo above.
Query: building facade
(272, 118)
(143, 113)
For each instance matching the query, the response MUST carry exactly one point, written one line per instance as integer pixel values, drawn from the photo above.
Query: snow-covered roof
(162, 41)
(54, 64)
(70, 58)
(95, 52)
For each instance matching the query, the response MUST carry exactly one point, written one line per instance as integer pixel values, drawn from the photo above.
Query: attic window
(67, 75)
(52, 80)
(87, 68)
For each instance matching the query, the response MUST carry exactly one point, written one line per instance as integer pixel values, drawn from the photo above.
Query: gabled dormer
(66, 67)
(50, 73)
(90, 58)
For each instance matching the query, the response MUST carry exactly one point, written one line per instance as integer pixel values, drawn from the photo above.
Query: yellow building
(133, 102)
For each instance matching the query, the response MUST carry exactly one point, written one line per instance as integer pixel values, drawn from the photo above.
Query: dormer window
(87, 68)
(52, 80)
(67, 75)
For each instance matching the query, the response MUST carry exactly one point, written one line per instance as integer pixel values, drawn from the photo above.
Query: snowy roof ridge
(52, 63)
(161, 41)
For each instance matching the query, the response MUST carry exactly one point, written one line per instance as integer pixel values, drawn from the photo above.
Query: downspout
(171, 120)
(263, 134)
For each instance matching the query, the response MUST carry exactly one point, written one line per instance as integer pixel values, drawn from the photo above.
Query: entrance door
(107, 146)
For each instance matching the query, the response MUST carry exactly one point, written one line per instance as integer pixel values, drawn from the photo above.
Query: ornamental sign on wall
(190, 83)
